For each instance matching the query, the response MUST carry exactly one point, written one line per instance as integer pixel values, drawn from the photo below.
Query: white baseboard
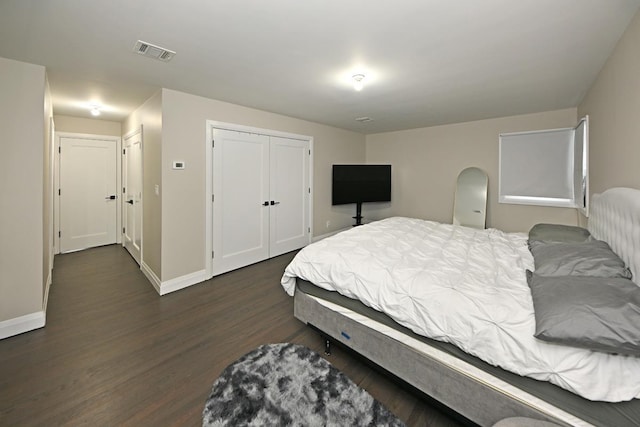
(163, 288)
(45, 299)
(324, 236)
(183, 282)
(19, 325)
(155, 281)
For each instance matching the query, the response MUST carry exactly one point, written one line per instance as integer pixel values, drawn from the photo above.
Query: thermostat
(178, 165)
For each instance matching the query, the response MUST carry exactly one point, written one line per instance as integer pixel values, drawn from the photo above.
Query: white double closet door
(261, 197)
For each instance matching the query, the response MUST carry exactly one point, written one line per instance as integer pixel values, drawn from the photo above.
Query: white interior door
(289, 191)
(241, 189)
(87, 201)
(132, 194)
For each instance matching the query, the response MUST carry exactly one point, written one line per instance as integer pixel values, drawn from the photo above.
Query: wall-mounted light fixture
(94, 109)
(357, 81)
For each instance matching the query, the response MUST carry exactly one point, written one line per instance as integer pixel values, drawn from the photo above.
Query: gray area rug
(290, 385)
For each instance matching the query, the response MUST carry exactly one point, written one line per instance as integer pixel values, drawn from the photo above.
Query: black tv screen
(360, 183)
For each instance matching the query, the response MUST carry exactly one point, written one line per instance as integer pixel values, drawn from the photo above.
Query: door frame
(138, 131)
(56, 172)
(210, 126)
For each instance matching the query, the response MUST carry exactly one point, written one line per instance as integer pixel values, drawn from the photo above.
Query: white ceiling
(427, 62)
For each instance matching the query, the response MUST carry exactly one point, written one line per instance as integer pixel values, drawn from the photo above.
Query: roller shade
(545, 168)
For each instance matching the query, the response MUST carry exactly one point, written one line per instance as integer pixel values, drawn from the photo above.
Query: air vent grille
(364, 119)
(153, 51)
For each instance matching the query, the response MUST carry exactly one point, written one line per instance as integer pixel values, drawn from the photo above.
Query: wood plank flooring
(115, 353)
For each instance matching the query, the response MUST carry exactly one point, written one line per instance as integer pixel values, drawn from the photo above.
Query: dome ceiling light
(358, 83)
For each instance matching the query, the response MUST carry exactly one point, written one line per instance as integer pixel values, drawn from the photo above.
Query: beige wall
(613, 106)
(426, 162)
(84, 125)
(183, 198)
(149, 116)
(22, 136)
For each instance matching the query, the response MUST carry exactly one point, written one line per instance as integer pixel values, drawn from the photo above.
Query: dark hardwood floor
(116, 353)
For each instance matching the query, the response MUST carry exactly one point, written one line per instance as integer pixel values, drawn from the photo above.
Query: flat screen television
(359, 184)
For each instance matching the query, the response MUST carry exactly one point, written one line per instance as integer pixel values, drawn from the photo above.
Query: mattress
(462, 286)
(595, 413)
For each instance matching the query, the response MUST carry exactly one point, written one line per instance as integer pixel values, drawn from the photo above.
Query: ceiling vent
(364, 119)
(153, 51)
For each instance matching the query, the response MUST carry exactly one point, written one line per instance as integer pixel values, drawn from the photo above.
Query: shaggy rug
(288, 384)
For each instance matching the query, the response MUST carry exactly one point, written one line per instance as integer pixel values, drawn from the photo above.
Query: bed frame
(474, 394)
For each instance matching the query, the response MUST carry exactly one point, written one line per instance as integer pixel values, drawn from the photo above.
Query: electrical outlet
(328, 223)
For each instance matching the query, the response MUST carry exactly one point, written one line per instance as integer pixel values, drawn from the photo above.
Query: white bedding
(463, 286)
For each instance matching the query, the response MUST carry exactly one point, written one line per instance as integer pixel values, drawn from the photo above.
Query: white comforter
(463, 286)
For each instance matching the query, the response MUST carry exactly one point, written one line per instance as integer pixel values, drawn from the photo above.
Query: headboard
(615, 218)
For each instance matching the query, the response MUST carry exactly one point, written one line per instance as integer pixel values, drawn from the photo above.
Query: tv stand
(358, 216)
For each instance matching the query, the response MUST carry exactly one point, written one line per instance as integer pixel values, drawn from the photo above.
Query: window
(545, 168)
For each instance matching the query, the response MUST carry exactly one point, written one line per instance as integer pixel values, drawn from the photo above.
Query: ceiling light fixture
(357, 81)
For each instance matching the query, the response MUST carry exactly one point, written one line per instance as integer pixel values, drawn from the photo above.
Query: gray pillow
(594, 258)
(558, 233)
(601, 314)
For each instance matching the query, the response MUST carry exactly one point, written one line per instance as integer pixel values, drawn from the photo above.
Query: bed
(463, 370)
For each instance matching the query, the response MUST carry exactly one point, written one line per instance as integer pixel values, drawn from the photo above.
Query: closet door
(240, 188)
(289, 191)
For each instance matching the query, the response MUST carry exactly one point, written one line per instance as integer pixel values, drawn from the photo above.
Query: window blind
(545, 168)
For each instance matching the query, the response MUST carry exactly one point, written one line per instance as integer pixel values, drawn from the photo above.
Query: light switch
(157, 189)
(179, 164)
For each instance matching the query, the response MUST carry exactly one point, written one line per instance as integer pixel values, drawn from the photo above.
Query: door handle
(265, 204)
(274, 203)
(112, 197)
(130, 202)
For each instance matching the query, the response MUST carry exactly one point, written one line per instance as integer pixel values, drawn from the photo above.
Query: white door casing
(87, 193)
(278, 182)
(52, 176)
(132, 195)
